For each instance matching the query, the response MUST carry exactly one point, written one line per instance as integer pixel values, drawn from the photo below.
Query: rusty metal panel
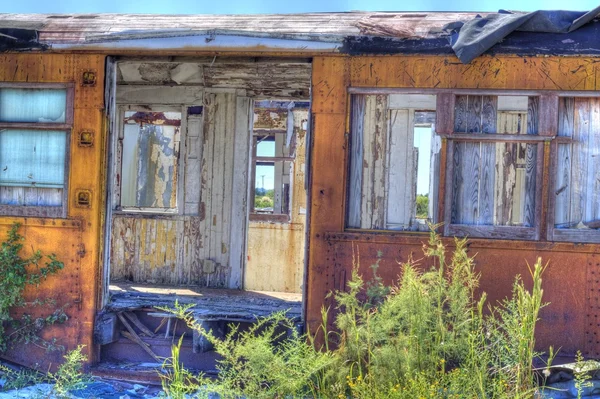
(75, 239)
(570, 284)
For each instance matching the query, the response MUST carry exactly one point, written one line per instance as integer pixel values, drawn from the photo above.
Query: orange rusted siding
(77, 239)
(571, 280)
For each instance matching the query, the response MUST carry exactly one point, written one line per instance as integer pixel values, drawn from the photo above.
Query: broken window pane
(32, 167)
(150, 145)
(577, 180)
(33, 105)
(394, 165)
(494, 183)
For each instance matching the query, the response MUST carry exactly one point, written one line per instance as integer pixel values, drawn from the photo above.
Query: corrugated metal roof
(78, 28)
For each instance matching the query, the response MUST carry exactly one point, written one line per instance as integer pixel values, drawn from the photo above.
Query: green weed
(428, 336)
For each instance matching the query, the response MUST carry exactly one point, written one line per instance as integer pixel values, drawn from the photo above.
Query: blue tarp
(472, 38)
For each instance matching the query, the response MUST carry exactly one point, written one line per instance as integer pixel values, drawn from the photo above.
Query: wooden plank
(159, 94)
(193, 165)
(488, 161)
(593, 180)
(400, 196)
(444, 123)
(471, 164)
(356, 161)
(380, 150)
(421, 102)
(239, 206)
(460, 114)
(531, 172)
(579, 160)
(548, 114)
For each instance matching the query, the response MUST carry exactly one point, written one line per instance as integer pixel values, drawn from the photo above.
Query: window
(149, 144)
(394, 162)
(576, 193)
(35, 122)
(494, 172)
(272, 161)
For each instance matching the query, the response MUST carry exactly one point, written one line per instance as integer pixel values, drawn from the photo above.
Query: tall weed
(428, 336)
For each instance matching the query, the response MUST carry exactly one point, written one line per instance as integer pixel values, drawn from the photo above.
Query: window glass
(394, 164)
(32, 167)
(32, 158)
(150, 155)
(33, 105)
(577, 179)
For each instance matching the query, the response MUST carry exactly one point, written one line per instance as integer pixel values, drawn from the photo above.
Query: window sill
(55, 212)
(590, 236)
(495, 232)
(267, 217)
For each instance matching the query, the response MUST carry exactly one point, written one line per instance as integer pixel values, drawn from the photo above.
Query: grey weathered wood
(445, 103)
(579, 166)
(531, 164)
(460, 114)
(374, 157)
(421, 102)
(494, 232)
(159, 95)
(548, 114)
(401, 190)
(488, 162)
(356, 161)
(240, 190)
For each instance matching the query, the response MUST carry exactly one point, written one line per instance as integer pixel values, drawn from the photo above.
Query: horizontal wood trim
(35, 126)
(473, 92)
(576, 235)
(266, 217)
(382, 237)
(266, 132)
(35, 211)
(497, 137)
(274, 159)
(496, 232)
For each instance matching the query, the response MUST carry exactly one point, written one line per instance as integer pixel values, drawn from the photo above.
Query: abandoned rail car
(236, 163)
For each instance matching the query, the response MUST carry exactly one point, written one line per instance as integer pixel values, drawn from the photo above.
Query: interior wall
(275, 260)
(204, 243)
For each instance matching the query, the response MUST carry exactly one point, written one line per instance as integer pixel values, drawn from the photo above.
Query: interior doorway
(278, 198)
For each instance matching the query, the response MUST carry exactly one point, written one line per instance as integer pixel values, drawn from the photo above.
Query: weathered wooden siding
(570, 320)
(204, 244)
(275, 259)
(76, 238)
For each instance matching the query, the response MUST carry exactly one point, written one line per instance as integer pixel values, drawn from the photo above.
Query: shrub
(426, 337)
(16, 273)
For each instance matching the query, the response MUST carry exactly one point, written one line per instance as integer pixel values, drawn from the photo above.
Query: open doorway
(180, 211)
(277, 211)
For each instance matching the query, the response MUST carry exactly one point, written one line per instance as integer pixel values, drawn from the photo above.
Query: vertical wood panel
(356, 161)
(401, 196)
(579, 166)
(531, 164)
(488, 161)
(239, 209)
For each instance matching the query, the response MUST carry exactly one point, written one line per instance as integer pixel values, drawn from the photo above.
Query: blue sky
(279, 6)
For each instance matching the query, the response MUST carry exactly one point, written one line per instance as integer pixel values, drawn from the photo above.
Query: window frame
(118, 209)
(349, 144)
(60, 211)
(555, 234)
(267, 217)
